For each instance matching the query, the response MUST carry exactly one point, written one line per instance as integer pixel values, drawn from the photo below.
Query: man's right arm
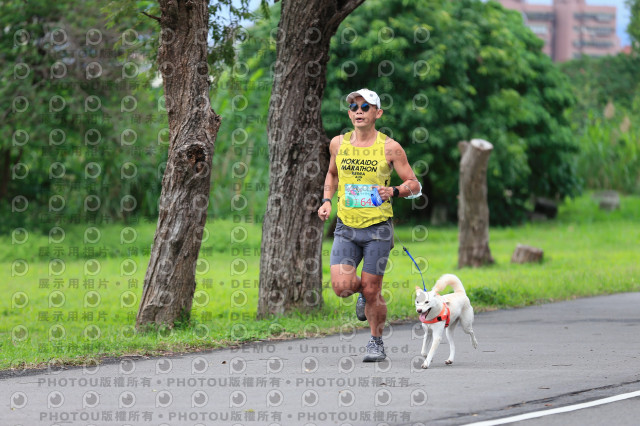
(331, 180)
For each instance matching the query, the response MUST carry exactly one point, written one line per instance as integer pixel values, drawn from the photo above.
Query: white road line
(568, 408)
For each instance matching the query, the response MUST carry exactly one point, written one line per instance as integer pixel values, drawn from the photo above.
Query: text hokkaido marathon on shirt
(359, 169)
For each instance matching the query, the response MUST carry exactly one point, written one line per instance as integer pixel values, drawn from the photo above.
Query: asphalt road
(528, 360)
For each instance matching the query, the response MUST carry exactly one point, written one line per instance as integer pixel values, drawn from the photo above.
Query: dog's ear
(418, 288)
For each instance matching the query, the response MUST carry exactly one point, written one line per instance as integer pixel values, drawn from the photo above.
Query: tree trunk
(5, 172)
(291, 253)
(546, 207)
(169, 283)
(608, 200)
(473, 210)
(526, 254)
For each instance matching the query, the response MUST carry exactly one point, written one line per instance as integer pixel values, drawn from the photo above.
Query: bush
(610, 152)
(606, 120)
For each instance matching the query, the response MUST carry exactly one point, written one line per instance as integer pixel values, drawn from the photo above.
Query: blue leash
(414, 261)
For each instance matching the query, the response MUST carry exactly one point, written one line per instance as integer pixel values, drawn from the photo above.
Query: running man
(360, 161)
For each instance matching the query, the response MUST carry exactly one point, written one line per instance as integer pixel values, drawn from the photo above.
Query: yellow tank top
(359, 169)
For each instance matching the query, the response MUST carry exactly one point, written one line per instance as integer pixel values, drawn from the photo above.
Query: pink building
(570, 28)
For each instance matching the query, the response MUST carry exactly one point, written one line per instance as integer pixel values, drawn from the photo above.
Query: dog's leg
(474, 342)
(437, 330)
(426, 340)
(466, 318)
(452, 346)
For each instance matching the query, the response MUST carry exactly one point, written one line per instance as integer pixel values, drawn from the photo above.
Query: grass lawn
(72, 296)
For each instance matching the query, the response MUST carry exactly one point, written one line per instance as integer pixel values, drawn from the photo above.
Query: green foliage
(77, 146)
(610, 152)
(487, 296)
(606, 120)
(451, 71)
(224, 29)
(241, 96)
(596, 81)
(77, 118)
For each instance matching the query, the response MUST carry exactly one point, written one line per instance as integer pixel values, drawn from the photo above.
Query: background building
(570, 28)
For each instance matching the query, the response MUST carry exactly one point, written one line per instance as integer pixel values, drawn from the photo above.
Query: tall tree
(184, 56)
(290, 263)
(169, 283)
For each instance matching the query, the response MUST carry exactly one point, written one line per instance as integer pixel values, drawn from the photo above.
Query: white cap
(369, 95)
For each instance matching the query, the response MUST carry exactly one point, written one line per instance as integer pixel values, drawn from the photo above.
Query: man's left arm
(410, 185)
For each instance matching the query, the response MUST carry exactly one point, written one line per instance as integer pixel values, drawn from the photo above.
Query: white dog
(442, 313)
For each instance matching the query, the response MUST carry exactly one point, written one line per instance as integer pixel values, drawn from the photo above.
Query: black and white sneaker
(375, 352)
(360, 308)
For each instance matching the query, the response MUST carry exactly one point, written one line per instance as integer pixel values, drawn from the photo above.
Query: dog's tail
(451, 281)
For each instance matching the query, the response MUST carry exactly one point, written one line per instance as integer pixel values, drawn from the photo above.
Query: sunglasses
(364, 107)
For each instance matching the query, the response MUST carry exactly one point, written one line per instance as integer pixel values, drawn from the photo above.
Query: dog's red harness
(444, 315)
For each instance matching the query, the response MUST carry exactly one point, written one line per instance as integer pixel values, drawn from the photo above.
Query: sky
(622, 18)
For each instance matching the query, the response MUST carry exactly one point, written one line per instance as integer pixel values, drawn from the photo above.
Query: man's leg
(376, 307)
(345, 257)
(344, 280)
(376, 255)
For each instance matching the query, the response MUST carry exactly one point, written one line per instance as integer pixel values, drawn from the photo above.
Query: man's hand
(385, 192)
(324, 211)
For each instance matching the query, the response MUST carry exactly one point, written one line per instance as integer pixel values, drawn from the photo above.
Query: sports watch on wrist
(324, 200)
(396, 192)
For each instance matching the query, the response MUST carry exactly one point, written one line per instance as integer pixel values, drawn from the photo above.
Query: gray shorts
(373, 243)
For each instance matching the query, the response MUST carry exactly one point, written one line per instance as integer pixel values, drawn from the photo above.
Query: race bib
(357, 195)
